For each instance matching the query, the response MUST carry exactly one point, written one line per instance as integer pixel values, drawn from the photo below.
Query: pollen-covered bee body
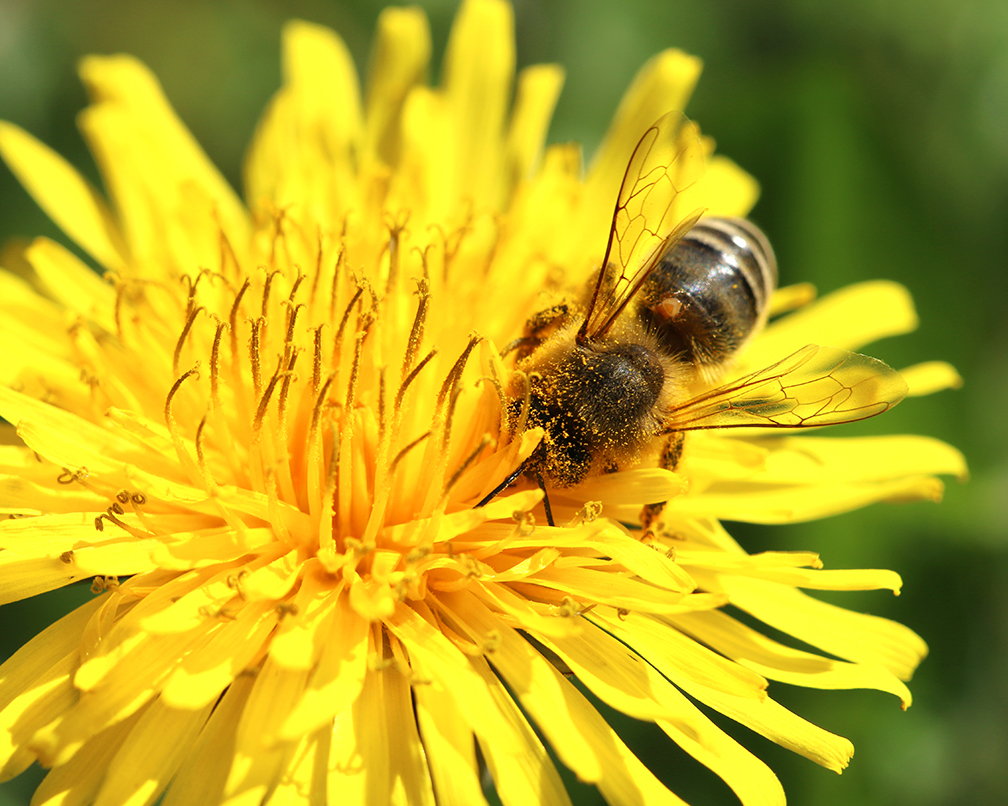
(599, 403)
(624, 367)
(710, 293)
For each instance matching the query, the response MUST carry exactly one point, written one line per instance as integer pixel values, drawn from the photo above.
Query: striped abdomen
(710, 293)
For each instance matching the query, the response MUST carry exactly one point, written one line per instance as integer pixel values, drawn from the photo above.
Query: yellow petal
(124, 83)
(305, 779)
(258, 757)
(779, 662)
(338, 677)
(930, 377)
(523, 772)
(376, 753)
(200, 780)
(786, 479)
(322, 104)
(73, 283)
(66, 197)
(151, 754)
(399, 60)
(25, 577)
(623, 680)
(576, 731)
(663, 84)
(64, 438)
(730, 190)
(446, 664)
(211, 666)
(307, 622)
(478, 72)
(35, 686)
(760, 714)
(78, 780)
(609, 588)
(665, 647)
(448, 742)
(770, 719)
(858, 637)
(848, 319)
(796, 504)
(538, 90)
(790, 297)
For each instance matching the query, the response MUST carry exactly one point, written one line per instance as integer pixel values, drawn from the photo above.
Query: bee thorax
(612, 390)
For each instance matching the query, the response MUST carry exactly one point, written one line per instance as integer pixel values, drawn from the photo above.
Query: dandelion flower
(262, 429)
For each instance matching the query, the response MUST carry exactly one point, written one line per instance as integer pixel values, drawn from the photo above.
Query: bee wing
(659, 201)
(814, 386)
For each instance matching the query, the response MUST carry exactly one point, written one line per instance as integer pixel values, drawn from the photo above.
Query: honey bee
(675, 298)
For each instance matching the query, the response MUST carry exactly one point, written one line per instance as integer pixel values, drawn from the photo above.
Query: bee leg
(545, 319)
(524, 343)
(669, 459)
(546, 503)
(537, 330)
(501, 487)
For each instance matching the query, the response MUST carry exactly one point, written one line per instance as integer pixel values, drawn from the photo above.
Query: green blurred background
(879, 132)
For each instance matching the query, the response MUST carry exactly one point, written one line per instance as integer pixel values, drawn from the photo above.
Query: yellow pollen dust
(313, 404)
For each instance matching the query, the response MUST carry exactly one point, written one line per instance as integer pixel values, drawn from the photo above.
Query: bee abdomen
(710, 293)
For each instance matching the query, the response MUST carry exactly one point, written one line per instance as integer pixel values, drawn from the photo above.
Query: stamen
(185, 332)
(319, 400)
(501, 397)
(110, 516)
(257, 326)
(484, 442)
(201, 456)
(364, 323)
(416, 333)
(288, 376)
(264, 401)
(228, 255)
(497, 219)
(338, 340)
(266, 291)
(215, 365)
(70, 476)
(340, 261)
(169, 417)
(176, 433)
(190, 289)
(402, 454)
(424, 260)
(292, 313)
(318, 268)
(294, 288)
(233, 318)
(317, 359)
(396, 229)
(381, 404)
(456, 371)
(117, 311)
(409, 378)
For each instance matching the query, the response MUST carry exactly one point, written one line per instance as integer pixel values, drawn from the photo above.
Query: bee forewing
(659, 201)
(812, 387)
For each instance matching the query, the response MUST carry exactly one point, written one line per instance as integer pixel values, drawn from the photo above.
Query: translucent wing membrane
(659, 201)
(814, 386)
